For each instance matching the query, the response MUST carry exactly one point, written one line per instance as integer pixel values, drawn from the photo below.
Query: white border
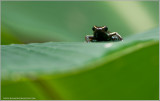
(77, 0)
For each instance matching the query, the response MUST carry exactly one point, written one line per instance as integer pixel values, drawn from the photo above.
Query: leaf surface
(79, 70)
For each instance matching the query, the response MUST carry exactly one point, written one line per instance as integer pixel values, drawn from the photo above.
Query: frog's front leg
(89, 38)
(115, 36)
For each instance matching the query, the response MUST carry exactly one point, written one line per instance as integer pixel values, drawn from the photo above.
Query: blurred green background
(32, 21)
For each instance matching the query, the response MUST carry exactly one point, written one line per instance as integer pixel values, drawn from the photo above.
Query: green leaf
(126, 70)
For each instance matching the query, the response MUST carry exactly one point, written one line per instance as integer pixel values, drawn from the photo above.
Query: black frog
(101, 34)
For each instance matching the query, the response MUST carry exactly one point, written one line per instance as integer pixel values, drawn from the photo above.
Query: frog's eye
(105, 28)
(94, 28)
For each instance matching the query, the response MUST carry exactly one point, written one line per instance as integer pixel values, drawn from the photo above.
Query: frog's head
(100, 29)
(100, 32)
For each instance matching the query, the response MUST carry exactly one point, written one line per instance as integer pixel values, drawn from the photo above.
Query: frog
(102, 34)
